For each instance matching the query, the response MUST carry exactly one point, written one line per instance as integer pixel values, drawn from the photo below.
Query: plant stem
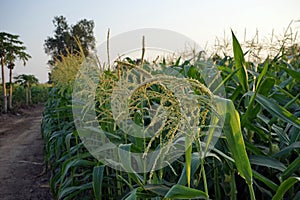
(232, 186)
(251, 190)
(216, 181)
(204, 179)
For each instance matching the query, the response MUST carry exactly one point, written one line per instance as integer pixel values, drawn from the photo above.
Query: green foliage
(182, 192)
(257, 157)
(270, 120)
(66, 38)
(285, 186)
(26, 80)
(65, 71)
(39, 94)
(11, 49)
(240, 63)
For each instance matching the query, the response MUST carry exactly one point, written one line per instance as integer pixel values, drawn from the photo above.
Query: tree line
(66, 40)
(11, 49)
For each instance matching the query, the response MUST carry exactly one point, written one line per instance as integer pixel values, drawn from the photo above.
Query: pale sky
(200, 20)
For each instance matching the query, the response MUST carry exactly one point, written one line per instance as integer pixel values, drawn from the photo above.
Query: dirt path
(21, 158)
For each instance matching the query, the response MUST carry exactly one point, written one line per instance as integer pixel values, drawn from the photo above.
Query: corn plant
(257, 156)
(266, 95)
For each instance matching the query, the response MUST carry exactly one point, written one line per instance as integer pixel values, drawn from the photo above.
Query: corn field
(255, 156)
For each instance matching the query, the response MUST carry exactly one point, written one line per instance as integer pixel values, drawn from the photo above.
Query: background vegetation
(11, 49)
(39, 94)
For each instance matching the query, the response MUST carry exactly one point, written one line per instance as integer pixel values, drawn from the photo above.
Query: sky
(200, 20)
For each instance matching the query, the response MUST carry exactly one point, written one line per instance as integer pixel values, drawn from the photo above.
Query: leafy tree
(27, 81)
(11, 48)
(66, 38)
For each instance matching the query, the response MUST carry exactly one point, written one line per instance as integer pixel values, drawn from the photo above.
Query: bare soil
(22, 167)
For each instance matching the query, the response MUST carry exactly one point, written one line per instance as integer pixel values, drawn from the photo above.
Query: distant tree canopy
(11, 49)
(26, 80)
(65, 36)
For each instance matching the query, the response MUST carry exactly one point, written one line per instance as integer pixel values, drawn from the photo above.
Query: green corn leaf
(252, 148)
(257, 129)
(283, 137)
(97, 181)
(237, 91)
(240, 63)
(263, 73)
(267, 162)
(195, 163)
(266, 86)
(188, 158)
(234, 137)
(68, 141)
(225, 80)
(284, 187)
(158, 189)
(265, 180)
(213, 131)
(222, 154)
(287, 150)
(73, 162)
(278, 110)
(294, 166)
(183, 192)
(71, 192)
(293, 73)
(132, 195)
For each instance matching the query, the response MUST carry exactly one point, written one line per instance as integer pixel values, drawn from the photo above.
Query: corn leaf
(265, 180)
(263, 73)
(288, 149)
(188, 158)
(267, 162)
(183, 192)
(240, 63)
(195, 163)
(266, 86)
(284, 187)
(161, 190)
(234, 138)
(97, 181)
(278, 110)
(132, 195)
(70, 192)
(294, 166)
(293, 73)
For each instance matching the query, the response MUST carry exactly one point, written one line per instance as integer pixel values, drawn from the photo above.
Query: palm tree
(27, 80)
(10, 67)
(11, 48)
